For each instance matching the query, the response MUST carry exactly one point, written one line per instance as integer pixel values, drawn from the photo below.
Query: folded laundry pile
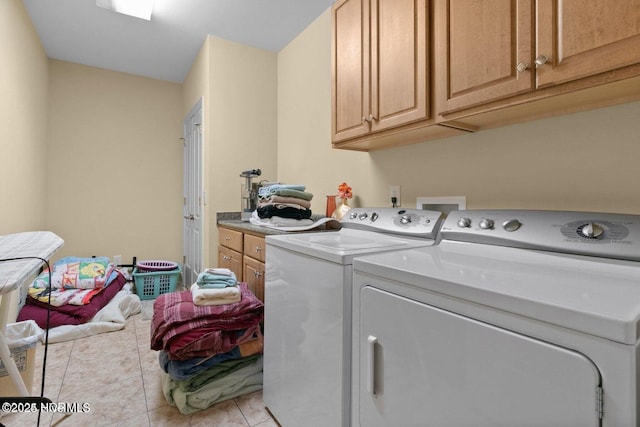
(283, 204)
(79, 288)
(211, 352)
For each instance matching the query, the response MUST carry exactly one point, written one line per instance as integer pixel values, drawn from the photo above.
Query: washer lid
(597, 296)
(343, 245)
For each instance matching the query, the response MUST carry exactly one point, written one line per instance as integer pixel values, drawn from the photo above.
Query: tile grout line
(235, 400)
(144, 386)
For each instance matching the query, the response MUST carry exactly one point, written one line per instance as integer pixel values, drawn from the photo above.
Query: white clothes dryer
(307, 337)
(516, 318)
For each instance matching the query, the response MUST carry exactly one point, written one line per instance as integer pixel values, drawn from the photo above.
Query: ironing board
(13, 274)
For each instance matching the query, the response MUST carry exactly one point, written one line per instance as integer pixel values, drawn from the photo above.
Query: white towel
(203, 296)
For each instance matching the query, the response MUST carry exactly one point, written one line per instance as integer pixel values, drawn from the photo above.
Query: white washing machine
(516, 318)
(307, 338)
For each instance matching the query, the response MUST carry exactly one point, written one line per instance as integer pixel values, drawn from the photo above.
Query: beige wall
(115, 174)
(23, 122)
(196, 87)
(305, 155)
(23, 126)
(238, 83)
(112, 184)
(583, 161)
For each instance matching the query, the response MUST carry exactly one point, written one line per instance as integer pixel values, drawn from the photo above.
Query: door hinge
(600, 402)
(184, 201)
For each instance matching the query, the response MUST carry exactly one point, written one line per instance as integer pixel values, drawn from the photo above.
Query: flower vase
(342, 208)
(331, 206)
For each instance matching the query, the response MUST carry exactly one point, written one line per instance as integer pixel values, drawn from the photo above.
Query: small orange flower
(344, 191)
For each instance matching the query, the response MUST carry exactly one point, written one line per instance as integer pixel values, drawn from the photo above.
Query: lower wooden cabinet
(244, 254)
(228, 258)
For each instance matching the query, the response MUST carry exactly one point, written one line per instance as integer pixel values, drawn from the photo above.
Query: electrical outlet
(117, 260)
(394, 192)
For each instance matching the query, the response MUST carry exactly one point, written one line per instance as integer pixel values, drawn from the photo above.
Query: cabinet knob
(258, 248)
(541, 60)
(522, 67)
(369, 119)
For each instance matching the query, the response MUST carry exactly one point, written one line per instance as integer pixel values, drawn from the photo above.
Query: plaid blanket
(185, 330)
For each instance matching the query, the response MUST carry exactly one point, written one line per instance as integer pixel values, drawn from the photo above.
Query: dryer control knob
(405, 219)
(511, 225)
(592, 230)
(464, 222)
(374, 217)
(486, 224)
(353, 215)
(363, 216)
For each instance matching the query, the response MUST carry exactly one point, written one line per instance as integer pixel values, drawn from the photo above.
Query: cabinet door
(419, 365)
(483, 51)
(230, 238)
(399, 62)
(254, 276)
(254, 247)
(583, 38)
(350, 69)
(228, 258)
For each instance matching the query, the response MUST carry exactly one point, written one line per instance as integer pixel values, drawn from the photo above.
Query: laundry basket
(156, 265)
(151, 284)
(21, 338)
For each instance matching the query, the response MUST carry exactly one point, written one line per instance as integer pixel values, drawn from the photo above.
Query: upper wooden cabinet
(488, 50)
(483, 49)
(380, 65)
(586, 37)
(489, 63)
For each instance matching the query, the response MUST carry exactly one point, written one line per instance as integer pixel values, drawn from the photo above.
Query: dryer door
(422, 366)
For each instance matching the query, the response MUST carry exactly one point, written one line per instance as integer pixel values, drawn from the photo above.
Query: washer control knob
(353, 215)
(464, 222)
(486, 224)
(374, 217)
(405, 219)
(592, 230)
(511, 225)
(362, 216)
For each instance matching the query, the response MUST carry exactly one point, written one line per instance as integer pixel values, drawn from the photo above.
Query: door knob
(191, 217)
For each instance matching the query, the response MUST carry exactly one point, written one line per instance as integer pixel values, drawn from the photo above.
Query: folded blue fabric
(216, 281)
(185, 369)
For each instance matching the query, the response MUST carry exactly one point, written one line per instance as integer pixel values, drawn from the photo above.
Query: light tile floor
(118, 375)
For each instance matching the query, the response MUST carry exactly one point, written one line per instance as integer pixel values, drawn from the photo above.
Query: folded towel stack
(284, 201)
(216, 286)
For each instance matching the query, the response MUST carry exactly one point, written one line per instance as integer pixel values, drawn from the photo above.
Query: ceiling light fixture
(137, 8)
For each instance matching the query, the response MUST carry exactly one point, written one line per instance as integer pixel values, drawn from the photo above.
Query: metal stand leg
(5, 353)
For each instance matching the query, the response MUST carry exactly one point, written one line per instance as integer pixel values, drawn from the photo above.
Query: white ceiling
(79, 31)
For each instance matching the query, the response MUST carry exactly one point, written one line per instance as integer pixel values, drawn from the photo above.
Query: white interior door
(193, 206)
(422, 366)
